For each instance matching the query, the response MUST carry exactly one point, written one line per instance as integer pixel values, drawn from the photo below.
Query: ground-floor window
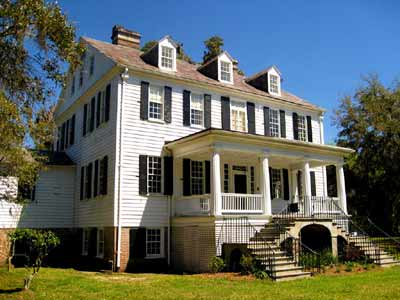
(154, 243)
(100, 243)
(197, 177)
(85, 241)
(276, 179)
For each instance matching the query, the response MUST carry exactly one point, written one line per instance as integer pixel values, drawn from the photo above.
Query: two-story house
(165, 151)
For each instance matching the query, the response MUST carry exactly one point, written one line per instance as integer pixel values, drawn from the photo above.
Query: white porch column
(341, 187)
(265, 185)
(307, 188)
(216, 182)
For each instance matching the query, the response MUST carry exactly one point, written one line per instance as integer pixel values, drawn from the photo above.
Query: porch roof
(226, 140)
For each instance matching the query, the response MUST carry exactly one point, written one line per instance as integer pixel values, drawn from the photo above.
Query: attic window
(226, 71)
(274, 84)
(167, 57)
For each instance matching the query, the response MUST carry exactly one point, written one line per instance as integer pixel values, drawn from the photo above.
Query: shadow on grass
(10, 291)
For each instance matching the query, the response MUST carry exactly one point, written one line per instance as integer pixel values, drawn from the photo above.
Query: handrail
(382, 231)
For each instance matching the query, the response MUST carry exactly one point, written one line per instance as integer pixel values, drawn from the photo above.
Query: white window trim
(269, 84)
(305, 128)
(163, 105)
(201, 126)
(160, 45)
(244, 109)
(203, 179)
(279, 121)
(161, 255)
(99, 255)
(161, 193)
(85, 235)
(219, 71)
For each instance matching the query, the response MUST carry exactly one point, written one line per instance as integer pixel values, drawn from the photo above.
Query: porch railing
(241, 203)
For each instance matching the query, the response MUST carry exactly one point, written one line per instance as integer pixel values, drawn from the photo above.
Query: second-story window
(274, 122)
(156, 102)
(167, 57)
(154, 174)
(302, 127)
(226, 71)
(238, 116)
(196, 109)
(273, 84)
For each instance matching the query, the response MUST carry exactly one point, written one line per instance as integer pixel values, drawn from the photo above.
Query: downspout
(124, 78)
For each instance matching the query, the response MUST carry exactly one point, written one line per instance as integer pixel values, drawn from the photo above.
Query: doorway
(239, 179)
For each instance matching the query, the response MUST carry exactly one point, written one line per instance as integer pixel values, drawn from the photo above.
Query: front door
(240, 183)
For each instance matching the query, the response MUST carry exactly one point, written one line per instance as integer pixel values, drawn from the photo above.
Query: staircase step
(300, 275)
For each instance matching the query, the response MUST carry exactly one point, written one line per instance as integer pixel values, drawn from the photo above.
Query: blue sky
(322, 48)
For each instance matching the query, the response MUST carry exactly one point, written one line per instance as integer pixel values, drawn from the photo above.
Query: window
(85, 241)
(80, 78)
(88, 181)
(91, 67)
(100, 243)
(302, 128)
(276, 183)
(73, 85)
(273, 84)
(156, 102)
(154, 174)
(197, 177)
(225, 71)
(167, 57)
(196, 110)
(154, 241)
(238, 116)
(273, 122)
(226, 178)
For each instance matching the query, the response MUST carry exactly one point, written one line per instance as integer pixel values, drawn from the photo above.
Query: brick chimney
(124, 37)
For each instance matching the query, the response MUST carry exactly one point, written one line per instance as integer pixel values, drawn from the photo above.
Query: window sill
(154, 257)
(197, 126)
(158, 121)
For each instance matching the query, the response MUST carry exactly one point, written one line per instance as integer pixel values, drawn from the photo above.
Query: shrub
(261, 274)
(348, 266)
(216, 264)
(248, 264)
(327, 258)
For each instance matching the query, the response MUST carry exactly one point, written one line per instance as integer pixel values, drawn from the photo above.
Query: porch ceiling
(244, 146)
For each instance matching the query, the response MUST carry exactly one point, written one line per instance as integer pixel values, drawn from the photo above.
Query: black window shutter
(282, 123)
(313, 186)
(67, 128)
(186, 177)
(85, 112)
(207, 178)
(107, 103)
(82, 183)
(251, 118)
(285, 174)
(309, 129)
(168, 175)
(266, 121)
(226, 113)
(98, 109)
(186, 108)
(72, 131)
(62, 145)
(92, 113)
(96, 178)
(207, 111)
(137, 243)
(295, 126)
(143, 174)
(89, 170)
(270, 182)
(144, 101)
(104, 182)
(167, 104)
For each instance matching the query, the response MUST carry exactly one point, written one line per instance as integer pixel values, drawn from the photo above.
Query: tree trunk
(28, 281)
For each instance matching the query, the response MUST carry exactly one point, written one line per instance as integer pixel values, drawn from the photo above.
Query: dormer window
(167, 57)
(226, 74)
(273, 83)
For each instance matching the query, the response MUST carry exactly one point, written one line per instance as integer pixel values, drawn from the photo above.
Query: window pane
(273, 122)
(273, 82)
(155, 102)
(302, 128)
(197, 177)
(238, 116)
(276, 183)
(154, 174)
(153, 242)
(225, 71)
(167, 57)
(196, 109)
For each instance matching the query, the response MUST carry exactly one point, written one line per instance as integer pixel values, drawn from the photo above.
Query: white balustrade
(241, 203)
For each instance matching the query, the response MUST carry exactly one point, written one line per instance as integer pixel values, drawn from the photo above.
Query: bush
(248, 264)
(327, 258)
(348, 266)
(261, 274)
(216, 264)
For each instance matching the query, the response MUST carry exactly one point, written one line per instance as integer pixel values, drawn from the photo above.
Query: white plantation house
(160, 156)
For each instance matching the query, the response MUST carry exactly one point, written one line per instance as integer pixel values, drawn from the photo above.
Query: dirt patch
(349, 269)
(118, 278)
(225, 275)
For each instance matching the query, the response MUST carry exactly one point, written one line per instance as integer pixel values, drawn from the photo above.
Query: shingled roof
(130, 57)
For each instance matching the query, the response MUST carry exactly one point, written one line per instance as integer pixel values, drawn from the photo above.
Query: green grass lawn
(70, 284)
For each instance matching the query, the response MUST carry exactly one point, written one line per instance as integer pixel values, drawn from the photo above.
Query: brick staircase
(265, 245)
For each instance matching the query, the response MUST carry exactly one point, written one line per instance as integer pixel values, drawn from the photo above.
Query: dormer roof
(133, 59)
(263, 72)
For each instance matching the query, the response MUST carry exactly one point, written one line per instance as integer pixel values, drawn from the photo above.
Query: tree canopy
(369, 123)
(213, 48)
(37, 45)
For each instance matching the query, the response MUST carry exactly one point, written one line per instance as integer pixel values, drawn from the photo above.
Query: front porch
(220, 173)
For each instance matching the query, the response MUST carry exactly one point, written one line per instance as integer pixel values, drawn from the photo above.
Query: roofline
(257, 137)
(262, 72)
